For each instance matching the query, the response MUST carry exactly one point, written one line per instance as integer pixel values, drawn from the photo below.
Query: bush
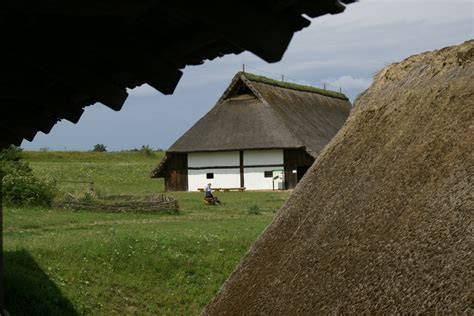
(14, 167)
(146, 150)
(10, 162)
(27, 190)
(254, 209)
(19, 185)
(99, 148)
(12, 153)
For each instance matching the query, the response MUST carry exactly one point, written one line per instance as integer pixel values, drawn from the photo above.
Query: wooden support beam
(241, 168)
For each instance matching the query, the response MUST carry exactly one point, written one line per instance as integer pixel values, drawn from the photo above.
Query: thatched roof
(383, 222)
(256, 113)
(61, 56)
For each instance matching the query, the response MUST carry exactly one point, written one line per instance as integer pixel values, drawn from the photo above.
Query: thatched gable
(259, 113)
(383, 221)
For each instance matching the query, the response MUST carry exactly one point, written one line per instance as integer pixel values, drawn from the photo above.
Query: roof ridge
(280, 117)
(293, 86)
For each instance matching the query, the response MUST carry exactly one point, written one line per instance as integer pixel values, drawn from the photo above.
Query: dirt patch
(383, 221)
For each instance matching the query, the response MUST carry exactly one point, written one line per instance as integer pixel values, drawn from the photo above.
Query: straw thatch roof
(256, 112)
(61, 56)
(384, 220)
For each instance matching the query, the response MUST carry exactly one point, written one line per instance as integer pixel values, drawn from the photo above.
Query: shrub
(12, 153)
(254, 209)
(99, 148)
(14, 167)
(10, 162)
(146, 150)
(27, 190)
(19, 185)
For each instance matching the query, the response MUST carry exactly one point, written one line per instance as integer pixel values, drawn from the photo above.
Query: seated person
(208, 193)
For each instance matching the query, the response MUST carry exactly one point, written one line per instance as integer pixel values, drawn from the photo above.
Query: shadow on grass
(29, 291)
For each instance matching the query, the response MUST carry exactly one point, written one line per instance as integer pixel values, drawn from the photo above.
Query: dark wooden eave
(59, 56)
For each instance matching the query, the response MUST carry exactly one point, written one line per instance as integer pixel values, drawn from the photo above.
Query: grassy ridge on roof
(294, 86)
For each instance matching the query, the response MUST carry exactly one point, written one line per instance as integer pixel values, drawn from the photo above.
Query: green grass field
(76, 262)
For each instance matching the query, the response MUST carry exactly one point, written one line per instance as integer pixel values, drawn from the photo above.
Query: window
(210, 175)
(268, 174)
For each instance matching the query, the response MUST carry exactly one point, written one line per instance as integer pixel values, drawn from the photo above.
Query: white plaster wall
(213, 159)
(254, 178)
(223, 178)
(263, 157)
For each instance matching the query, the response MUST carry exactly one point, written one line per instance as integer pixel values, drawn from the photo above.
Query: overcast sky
(343, 50)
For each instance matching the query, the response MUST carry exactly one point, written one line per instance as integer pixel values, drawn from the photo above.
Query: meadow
(61, 262)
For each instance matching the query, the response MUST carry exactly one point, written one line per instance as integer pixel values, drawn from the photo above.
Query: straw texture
(383, 222)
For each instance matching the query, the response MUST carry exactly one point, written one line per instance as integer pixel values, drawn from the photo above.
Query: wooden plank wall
(292, 159)
(176, 174)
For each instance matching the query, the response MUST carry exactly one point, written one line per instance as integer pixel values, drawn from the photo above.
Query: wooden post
(241, 165)
(2, 306)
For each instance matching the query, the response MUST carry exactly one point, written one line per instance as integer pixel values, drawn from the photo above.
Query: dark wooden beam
(241, 167)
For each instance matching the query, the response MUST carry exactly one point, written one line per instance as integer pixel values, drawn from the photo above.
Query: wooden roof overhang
(59, 56)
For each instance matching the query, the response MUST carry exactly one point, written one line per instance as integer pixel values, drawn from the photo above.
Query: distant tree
(99, 148)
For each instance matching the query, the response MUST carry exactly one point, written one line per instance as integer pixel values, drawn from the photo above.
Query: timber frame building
(262, 134)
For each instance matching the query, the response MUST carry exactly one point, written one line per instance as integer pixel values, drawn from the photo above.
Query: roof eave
(157, 172)
(237, 149)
